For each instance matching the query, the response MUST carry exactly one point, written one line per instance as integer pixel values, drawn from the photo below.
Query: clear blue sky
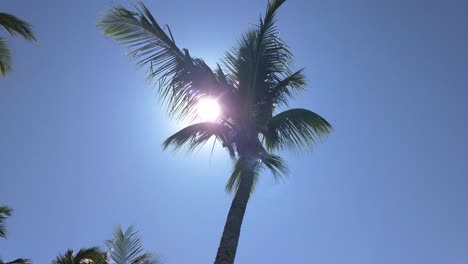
(81, 133)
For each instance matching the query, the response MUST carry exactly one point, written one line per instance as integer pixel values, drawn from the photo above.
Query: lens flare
(208, 110)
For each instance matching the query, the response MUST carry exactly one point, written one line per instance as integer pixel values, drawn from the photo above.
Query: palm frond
(286, 88)
(85, 255)
(6, 61)
(67, 258)
(243, 167)
(254, 166)
(296, 128)
(240, 62)
(126, 247)
(5, 212)
(277, 95)
(182, 79)
(18, 261)
(276, 165)
(273, 57)
(197, 135)
(258, 61)
(148, 258)
(17, 27)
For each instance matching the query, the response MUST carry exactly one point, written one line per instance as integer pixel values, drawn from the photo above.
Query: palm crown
(83, 256)
(254, 80)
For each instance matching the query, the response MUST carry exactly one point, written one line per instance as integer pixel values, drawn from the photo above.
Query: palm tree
(255, 80)
(5, 212)
(84, 256)
(126, 248)
(16, 28)
(17, 261)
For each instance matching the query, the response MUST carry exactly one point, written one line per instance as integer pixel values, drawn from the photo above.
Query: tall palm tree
(126, 248)
(85, 256)
(255, 81)
(5, 212)
(17, 261)
(16, 28)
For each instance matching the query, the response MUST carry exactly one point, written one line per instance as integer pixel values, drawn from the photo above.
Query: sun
(208, 110)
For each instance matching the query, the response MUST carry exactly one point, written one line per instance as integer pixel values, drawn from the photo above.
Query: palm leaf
(296, 128)
(94, 254)
(5, 212)
(148, 258)
(286, 88)
(17, 27)
(254, 166)
(273, 57)
(17, 261)
(277, 95)
(243, 167)
(182, 79)
(276, 165)
(126, 247)
(6, 61)
(258, 62)
(67, 258)
(85, 255)
(197, 135)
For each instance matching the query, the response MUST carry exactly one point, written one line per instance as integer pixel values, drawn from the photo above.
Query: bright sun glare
(208, 109)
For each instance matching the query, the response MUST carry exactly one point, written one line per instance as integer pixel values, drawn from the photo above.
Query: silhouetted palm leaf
(6, 61)
(17, 28)
(182, 78)
(17, 261)
(197, 135)
(254, 166)
(126, 248)
(296, 128)
(5, 212)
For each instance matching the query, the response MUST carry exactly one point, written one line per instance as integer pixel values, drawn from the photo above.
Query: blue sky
(81, 133)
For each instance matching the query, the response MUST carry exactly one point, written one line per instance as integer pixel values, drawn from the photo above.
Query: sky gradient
(81, 134)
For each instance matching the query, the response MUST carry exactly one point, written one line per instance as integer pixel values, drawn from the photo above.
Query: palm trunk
(230, 239)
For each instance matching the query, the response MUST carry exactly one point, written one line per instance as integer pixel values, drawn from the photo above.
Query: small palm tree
(5, 212)
(126, 248)
(16, 28)
(17, 261)
(85, 256)
(256, 80)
